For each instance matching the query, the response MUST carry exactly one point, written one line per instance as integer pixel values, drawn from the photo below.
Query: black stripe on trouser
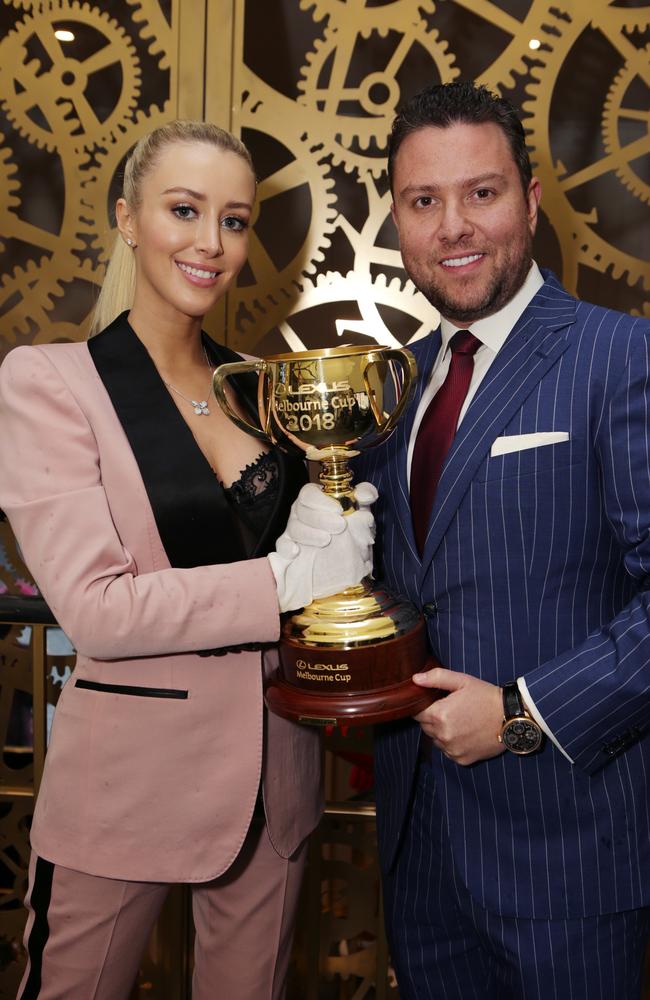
(40, 932)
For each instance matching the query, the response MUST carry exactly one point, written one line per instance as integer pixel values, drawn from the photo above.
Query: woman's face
(190, 230)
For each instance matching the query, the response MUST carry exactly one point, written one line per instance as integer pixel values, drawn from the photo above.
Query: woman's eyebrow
(184, 190)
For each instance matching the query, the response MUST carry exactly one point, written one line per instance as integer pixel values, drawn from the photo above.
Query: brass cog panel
(38, 77)
(24, 300)
(384, 15)
(155, 29)
(27, 292)
(627, 105)
(352, 109)
(98, 189)
(544, 21)
(565, 191)
(295, 187)
(28, 299)
(336, 308)
(9, 186)
(49, 92)
(378, 269)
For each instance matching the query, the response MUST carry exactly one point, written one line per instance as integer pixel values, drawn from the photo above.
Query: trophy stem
(336, 478)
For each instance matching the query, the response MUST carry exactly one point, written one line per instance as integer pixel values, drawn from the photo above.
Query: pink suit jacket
(156, 752)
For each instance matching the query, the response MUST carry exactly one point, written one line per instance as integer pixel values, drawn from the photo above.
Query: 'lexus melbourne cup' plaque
(350, 657)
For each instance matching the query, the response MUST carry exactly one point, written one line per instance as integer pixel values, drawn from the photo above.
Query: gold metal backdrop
(312, 86)
(316, 109)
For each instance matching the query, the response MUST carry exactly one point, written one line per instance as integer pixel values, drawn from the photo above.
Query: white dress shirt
(492, 332)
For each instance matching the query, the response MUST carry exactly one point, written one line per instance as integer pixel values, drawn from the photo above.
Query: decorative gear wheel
(68, 239)
(542, 21)
(302, 167)
(367, 295)
(330, 98)
(390, 13)
(9, 185)
(616, 113)
(23, 4)
(52, 85)
(96, 207)
(580, 242)
(155, 30)
(27, 297)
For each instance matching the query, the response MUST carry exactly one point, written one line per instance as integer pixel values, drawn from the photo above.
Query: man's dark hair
(445, 104)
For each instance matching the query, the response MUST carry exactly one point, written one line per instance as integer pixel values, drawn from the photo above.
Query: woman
(146, 517)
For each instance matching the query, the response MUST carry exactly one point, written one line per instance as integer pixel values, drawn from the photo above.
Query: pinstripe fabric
(536, 563)
(444, 946)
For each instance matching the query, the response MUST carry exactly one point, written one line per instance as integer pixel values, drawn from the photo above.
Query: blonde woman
(149, 522)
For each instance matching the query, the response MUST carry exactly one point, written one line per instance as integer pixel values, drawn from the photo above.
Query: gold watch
(519, 733)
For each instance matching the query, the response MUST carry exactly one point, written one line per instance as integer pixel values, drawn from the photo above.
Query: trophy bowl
(348, 658)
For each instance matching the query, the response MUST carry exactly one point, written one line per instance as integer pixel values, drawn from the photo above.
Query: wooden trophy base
(348, 709)
(329, 685)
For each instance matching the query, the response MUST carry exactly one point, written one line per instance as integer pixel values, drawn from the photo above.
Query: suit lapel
(425, 352)
(292, 471)
(194, 520)
(532, 348)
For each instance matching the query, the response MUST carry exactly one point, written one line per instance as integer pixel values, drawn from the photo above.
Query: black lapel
(291, 468)
(195, 523)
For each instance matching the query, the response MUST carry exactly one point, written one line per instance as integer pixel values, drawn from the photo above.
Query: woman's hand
(322, 550)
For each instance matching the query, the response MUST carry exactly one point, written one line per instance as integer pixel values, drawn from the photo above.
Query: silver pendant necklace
(201, 407)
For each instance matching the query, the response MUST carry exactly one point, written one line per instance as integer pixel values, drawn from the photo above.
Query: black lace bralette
(252, 497)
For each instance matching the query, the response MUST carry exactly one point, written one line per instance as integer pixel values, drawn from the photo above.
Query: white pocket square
(519, 442)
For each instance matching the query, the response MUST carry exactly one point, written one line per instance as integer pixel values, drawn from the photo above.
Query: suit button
(430, 610)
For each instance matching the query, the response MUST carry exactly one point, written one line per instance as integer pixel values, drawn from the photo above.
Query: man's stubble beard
(503, 287)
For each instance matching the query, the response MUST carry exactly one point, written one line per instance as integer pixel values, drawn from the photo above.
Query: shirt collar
(493, 330)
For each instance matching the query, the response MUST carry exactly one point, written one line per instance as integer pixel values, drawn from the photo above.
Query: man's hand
(464, 724)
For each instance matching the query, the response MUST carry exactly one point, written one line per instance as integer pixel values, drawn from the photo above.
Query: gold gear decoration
(369, 256)
(276, 285)
(544, 21)
(390, 14)
(28, 294)
(365, 284)
(24, 299)
(154, 29)
(96, 207)
(365, 295)
(9, 185)
(615, 113)
(580, 243)
(36, 90)
(327, 95)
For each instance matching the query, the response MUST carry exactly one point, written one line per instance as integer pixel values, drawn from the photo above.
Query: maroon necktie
(437, 430)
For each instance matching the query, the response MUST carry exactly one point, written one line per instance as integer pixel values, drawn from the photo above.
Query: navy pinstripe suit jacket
(536, 564)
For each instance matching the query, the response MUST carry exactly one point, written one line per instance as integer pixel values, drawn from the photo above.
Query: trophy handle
(406, 361)
(224, 372)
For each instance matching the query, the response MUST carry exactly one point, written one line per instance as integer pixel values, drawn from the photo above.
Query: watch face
(522, 736)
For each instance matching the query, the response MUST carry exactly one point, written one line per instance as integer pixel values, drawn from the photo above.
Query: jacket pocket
(545, 460)
(132, 689)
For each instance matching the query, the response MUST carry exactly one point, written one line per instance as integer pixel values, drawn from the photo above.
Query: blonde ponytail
(118, 287)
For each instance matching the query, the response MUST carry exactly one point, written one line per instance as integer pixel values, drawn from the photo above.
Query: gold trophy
(347, 658)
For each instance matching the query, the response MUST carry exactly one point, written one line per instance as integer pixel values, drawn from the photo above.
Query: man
(514, 510)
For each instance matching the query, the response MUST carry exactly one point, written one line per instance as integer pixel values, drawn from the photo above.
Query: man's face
(465, 225)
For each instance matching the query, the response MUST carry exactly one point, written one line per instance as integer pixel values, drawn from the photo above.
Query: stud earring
(130, 243)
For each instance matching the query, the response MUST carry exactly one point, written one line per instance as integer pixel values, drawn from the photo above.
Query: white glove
(322, 551)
